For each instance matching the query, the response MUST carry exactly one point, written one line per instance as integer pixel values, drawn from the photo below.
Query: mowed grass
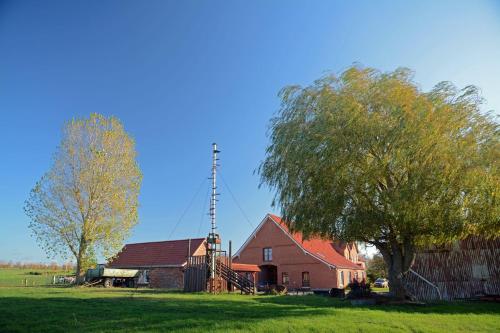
(380, 290)
(18, 276)
(70, 309)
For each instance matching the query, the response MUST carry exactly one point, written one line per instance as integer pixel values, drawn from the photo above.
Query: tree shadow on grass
(61, 314)
(459, 307)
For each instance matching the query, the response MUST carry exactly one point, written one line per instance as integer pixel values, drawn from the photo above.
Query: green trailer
(110, 277)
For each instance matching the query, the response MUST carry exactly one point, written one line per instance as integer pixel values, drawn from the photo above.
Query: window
(341, 278)
(143, 277)
(285, 279)
(480, 272)
(356, 276)
(305, 279)
(350, 277)
(268, 254)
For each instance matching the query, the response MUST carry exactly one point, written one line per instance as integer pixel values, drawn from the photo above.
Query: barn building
(465, 269)
(163, 262)
(285, 258)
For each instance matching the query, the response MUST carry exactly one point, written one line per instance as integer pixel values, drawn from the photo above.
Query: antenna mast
(214, 187)
(213, 240)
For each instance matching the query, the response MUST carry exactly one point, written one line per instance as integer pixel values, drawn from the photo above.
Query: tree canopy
(369, 156)
(86, 204)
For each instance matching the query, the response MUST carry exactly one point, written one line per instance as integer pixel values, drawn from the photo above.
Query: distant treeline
(36, 265)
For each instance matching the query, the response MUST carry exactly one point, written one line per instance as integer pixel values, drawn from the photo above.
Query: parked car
(381, 283)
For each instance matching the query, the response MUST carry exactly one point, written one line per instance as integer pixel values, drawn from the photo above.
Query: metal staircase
(240, 282)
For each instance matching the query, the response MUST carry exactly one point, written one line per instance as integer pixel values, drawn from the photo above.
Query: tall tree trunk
(399, 258)
(80, 262)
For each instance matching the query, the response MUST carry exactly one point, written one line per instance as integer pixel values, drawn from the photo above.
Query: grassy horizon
(15, 277)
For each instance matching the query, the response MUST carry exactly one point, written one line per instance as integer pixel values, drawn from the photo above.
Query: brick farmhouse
(286, 258)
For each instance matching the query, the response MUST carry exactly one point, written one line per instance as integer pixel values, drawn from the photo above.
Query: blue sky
(183, 74)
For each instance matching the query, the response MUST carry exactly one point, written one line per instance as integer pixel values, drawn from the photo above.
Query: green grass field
(17, 277)
(105, 310)
(70, 309)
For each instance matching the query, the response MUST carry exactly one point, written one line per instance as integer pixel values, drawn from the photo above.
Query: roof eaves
(300, 245)
(252, 235)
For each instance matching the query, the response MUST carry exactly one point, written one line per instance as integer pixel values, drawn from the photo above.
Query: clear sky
(183, 74)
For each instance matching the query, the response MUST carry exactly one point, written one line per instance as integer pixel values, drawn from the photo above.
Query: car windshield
(380, 280)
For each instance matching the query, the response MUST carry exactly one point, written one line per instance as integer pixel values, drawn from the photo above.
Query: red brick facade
(291, 264)
(166, 277)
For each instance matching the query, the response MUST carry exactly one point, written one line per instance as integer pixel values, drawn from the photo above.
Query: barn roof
(156, 254)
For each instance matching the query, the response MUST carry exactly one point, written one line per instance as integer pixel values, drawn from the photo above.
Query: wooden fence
(197, 275)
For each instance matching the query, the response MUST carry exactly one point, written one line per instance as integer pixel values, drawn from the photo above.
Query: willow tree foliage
(368, 156)
(86, 204)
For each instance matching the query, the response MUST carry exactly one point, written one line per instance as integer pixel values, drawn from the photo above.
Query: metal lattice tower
(213, 241)
(213, 199)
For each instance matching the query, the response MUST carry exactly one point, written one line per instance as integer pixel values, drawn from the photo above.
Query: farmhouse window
(285, 279)
(350, 277)
(268, 254)
(305, 279)
(341, 278)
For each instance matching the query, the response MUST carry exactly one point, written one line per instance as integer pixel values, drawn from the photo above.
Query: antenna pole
(214, 187)
(213, 241)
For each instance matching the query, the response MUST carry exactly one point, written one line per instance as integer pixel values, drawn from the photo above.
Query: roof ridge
(167, 241)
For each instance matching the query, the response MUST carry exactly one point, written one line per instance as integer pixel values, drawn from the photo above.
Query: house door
(268, 275)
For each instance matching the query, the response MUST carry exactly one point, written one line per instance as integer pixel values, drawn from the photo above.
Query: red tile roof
(245, 267)
(320, 248)
(166, 253)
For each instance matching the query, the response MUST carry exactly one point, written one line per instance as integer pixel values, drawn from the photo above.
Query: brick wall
(166, 277)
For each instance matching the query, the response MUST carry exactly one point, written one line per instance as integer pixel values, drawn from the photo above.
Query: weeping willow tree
(368, 156)
(86, 204)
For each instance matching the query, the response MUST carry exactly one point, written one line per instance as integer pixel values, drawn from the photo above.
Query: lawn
(380, 290)
(17, 276)
(62, 309)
